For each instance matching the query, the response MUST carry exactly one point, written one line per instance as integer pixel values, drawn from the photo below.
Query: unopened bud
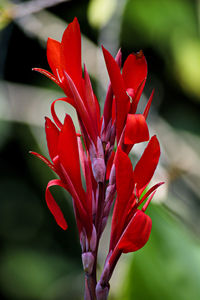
(88, 262)
(93, 240)
(83, 241)
(105, 135)
(110, 191)
(100, 150)
(99, 169)
(92, 151)
(112, 177)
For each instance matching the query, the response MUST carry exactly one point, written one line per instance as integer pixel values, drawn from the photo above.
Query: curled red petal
(136, 234)
(54, 115)
(134, 70)
(53, 206)
(52, 136)
(47, 74)
(136, 130)
(44, 159)
(147, 164)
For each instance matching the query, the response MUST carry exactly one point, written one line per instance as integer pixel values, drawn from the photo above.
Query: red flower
(131, 227)
(105, 172)
(127, 86)
(64, 153)
(64, 59)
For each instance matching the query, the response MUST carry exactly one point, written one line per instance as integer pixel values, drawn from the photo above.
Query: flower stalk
(100, 150)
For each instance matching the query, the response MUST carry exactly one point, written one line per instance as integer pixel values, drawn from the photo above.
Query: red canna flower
(130, 186)
(128, 86)
(87, 165)
(64, 59)
(131, 227)
(64, 153)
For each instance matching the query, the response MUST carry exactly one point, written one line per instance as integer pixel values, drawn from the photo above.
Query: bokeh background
(39, 261)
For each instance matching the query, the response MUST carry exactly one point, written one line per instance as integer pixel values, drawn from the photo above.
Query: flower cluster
(100, 152)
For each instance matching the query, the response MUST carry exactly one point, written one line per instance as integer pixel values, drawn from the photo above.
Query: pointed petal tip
(53, 206)
(75, 20)
(48, 122)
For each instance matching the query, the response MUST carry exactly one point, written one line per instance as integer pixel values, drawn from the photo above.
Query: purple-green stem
(90, 279)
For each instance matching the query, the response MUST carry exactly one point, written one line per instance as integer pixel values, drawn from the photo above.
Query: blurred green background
(39, 261)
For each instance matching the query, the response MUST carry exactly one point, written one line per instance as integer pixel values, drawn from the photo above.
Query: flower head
(86, 163)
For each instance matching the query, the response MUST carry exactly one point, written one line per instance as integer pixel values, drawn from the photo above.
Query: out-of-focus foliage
(171, 27)
(168, 267)
(5, 17)
(99, 12)
(39, 261)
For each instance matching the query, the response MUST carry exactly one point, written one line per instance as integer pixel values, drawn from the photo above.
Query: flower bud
(83, 241)
(99, 169)
(110, 192)
(112, 178)
(93, 240)
(88, 262)
(100, 150)
(105, 135)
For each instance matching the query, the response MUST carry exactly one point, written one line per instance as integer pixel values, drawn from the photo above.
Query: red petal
(146, 111)
(79, 202)
(136, 100)
(124, 183)
(53, 206)
(71, 52)
(53, 55)
(134, 70)
(136, 233)
(90, 101)
(149, 192)
(81, 110)
(147, 164)
(44, 159)
(136, 130)
(47, 74)
(109, 165)
(68, 154)
(54, 115)
(107, 112)
(52, 135)
(119, 90)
